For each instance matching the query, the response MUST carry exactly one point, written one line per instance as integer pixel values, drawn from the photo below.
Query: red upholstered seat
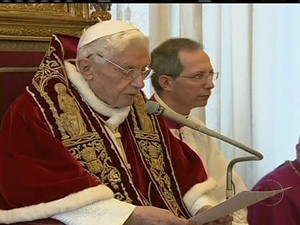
(13, 83)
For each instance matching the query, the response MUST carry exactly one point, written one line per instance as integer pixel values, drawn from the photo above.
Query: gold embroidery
(88, 147)
(83, 142)
(145, 121)
(94, 165)
(118, 139)
(119, 142)
(294, 168)
(153, 153)
(92, 153)
(71, 119)
(49, 69)
(151, 147)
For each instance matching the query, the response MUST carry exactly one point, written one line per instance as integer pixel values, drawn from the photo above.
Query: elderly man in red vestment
(78, 147)
(281, 209)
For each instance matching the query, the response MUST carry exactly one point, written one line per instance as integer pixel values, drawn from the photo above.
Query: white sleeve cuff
(110, 211)
(199, 195)
(47, 209)
(200, 202)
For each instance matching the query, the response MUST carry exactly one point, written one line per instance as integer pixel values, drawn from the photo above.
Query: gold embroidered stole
(85, 135)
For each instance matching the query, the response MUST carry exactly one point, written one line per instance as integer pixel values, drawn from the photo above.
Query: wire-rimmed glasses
(132, 73)
(203, 76)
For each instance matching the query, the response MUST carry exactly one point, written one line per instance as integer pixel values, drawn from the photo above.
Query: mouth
(133, 94)
(205, 96)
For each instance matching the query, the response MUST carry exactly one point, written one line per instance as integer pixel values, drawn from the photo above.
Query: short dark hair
(165, 58)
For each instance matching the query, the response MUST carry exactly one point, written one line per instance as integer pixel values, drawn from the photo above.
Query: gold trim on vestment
(79, 128)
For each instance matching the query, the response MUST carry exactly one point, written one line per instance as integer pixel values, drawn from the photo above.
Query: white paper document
(237, 202)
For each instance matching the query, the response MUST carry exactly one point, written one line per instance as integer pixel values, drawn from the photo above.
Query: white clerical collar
(116, 115)
(163, 104)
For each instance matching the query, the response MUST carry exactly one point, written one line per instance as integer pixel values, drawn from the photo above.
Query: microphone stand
(256, 155)
(157, 109)
(229, 185)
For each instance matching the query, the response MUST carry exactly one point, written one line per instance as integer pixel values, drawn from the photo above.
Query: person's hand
(149, 215)
(226, 220)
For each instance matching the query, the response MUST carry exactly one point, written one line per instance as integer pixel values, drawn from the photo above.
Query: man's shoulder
(23, 101)
(274, 178)
(24, 106)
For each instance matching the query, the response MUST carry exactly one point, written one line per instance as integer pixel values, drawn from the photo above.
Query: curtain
(256, 48)
(256, 101)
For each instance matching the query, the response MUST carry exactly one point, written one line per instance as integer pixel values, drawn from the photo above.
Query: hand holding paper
(237, 202)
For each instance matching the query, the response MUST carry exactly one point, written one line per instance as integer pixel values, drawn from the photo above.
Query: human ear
(165, 82)
(85, 68)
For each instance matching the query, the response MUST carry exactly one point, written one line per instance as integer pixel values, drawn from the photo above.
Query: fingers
(227, 220)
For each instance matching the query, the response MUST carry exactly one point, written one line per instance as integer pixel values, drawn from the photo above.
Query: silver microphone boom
(155, 108)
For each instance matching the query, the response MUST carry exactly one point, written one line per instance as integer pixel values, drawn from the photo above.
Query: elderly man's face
(111, 85)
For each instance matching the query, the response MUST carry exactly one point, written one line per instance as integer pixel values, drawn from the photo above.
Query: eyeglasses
(203, 76)
(131, 74)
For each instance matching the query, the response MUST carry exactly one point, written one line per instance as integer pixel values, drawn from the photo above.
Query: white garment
(213, 159)
(98, 213)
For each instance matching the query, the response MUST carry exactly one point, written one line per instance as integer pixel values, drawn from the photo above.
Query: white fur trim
(117, 115)
(66, 204)
(198, 191)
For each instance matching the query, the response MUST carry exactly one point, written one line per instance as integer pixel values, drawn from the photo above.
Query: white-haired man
(78, 147)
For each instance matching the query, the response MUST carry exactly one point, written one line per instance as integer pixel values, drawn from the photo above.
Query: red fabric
(13, 83)
(11, 86)
(20, 59)
(187, 165)
(69, 44)
(44, 168)
(188, 169)
(193, 167)
(31, 157)
(41, 222)
(280, 209)
(32, 151)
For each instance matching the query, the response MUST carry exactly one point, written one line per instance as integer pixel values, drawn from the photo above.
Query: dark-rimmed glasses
(131, 74)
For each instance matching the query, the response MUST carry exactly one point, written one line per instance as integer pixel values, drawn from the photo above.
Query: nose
(138, 82)
(209, 84)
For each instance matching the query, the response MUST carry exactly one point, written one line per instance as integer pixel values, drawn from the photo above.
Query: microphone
(156, 109)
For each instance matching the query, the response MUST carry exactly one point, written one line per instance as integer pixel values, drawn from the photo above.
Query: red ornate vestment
(53, 144)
